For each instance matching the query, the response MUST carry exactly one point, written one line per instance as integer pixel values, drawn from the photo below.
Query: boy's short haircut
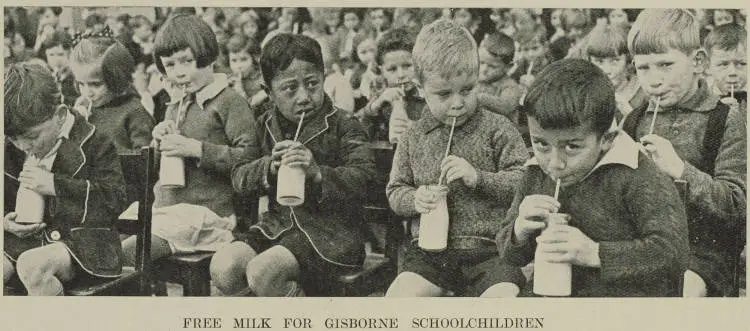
(571, 93)
(574, 18)
(124, 19)
(354, 10)
(726, 37)
(31, 97)
(55, 10)
(240, 43)
(499, 45)
(445, 48)
(607, 41)
(186, 31)
(659, 30)
(394, 40)
(94, 19)
(283, 49)
(387, 12)
(139, 21)
(58, 38)
(115, 61)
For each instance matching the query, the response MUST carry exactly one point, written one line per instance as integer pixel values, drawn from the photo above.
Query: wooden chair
(139, 170)
(191, 270)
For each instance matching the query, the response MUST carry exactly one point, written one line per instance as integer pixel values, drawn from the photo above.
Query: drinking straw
(88, 110)
(299, 126)
(656, 111)
(731, 91)
(448, 147)
(531, 67)
(557, 189)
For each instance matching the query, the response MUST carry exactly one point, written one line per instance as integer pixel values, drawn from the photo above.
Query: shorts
(465, 271)
(317, 276)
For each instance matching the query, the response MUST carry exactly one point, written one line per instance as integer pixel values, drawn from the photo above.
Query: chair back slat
(139, 169)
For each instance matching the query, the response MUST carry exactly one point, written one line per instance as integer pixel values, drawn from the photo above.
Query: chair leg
(196, 282)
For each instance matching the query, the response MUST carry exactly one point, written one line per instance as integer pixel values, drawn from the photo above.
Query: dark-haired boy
(627, 234)
(321, 239)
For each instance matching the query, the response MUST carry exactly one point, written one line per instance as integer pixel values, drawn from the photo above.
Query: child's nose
(457, 102)
(302, 96)
(556, 161)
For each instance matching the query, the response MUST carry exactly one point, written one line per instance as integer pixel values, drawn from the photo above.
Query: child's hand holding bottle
(18, 229)
(567, 244)
(424, 200)
(164, 128)
(532, 212)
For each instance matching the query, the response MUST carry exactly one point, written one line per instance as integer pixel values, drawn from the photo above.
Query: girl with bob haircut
(206, 125)
(103, 69)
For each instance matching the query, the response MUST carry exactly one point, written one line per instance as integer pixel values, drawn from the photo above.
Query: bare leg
(409, 284)
(273, 273)
(159, 248)
(8, 270)
(228, 267)
(43, 270)
(501, 290)
(695, 286)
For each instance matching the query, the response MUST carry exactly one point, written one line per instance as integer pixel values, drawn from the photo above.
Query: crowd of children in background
(194, 81)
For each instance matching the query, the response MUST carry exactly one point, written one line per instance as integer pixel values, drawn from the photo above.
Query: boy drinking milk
(626, 235)
(691, 136)
(481, 173)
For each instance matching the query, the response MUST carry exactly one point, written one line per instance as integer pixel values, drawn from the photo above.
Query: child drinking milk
(481, 171)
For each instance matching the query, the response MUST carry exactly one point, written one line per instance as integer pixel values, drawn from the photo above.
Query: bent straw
(299, 126)
(448, 147)
(557, 189)
(656, 111)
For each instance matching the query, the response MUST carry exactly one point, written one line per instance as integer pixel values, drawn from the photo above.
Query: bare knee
(227, 266)
(409, 284)
(159, 248)
(36, 265)
(268, 273)
(501, 290)
(8, 270)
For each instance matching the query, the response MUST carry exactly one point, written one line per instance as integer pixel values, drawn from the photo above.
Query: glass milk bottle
(172, 171)
(552, 279)
(29, 206)
(290, 186)
(433, 226)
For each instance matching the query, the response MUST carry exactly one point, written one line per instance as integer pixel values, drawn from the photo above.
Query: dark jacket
(717, 196)
(90, 194)
(331, 214)
(125, 121)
